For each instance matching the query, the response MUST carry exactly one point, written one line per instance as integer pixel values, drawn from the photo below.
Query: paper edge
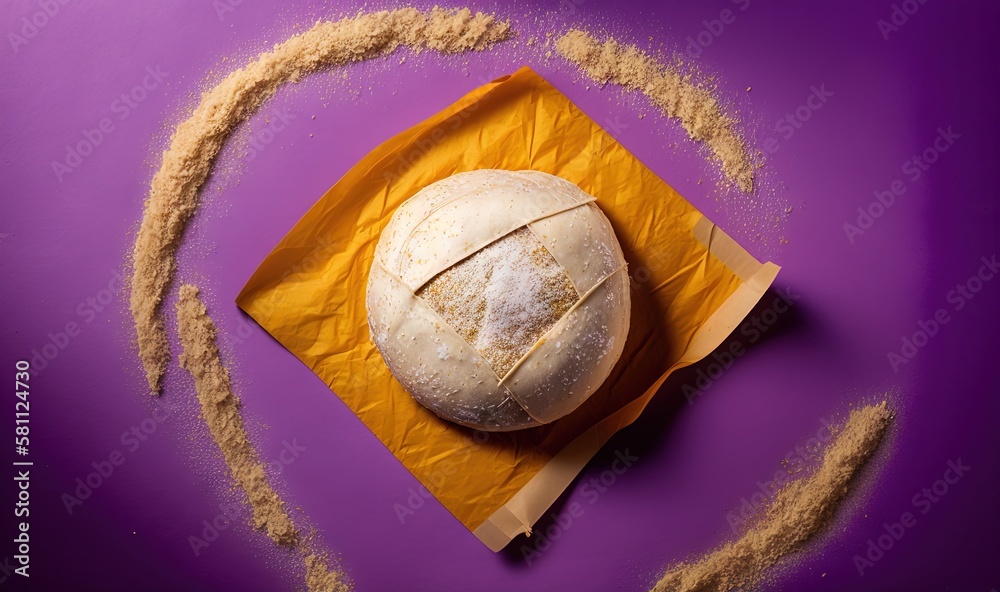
(528, 505)
(523, 509)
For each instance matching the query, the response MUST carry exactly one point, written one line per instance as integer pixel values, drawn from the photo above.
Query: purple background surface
(63, 240)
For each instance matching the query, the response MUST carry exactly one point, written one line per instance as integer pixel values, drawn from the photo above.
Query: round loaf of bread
(499, 299)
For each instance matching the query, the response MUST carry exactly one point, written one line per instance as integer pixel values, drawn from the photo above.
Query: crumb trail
(676, 95)
(194, 145)
(221, 411)
(798, 512)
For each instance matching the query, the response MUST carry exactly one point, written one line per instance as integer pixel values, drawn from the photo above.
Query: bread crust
(455, 218)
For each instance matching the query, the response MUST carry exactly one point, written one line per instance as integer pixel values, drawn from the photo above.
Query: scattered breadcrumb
(173, 195)
(698, 111)
(799, 511)
(221, 411)
(319, 576)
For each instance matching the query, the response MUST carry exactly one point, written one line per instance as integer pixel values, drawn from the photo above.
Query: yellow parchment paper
(691, 286)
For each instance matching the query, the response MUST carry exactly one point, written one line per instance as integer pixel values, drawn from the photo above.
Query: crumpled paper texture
(691, 287)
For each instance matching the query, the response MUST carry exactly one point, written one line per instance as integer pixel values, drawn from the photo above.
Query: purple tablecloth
(879, 106)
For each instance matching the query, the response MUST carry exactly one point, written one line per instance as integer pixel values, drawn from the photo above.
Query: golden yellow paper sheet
(692, 285)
